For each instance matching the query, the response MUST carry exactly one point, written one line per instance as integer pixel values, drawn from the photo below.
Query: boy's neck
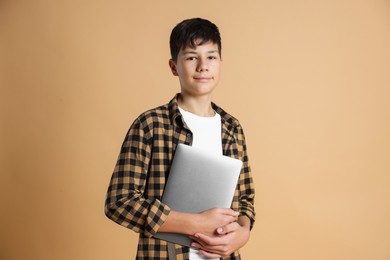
(200, 106)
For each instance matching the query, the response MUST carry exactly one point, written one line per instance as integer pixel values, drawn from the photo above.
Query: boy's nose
(202, 65)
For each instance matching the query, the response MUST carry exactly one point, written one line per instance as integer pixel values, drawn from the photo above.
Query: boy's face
(198, 69)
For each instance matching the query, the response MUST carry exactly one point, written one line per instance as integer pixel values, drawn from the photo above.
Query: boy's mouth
(202, 78)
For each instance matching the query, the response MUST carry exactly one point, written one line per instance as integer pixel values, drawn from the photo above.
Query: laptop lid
(198, 180)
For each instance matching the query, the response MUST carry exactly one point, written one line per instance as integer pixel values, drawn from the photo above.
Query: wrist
(193, 223)
(179, 222)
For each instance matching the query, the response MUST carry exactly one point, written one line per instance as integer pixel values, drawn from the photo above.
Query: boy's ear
(172, 65)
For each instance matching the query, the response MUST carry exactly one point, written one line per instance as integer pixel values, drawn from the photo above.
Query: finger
(221, 230)
(209, 254)
(227, 228)
(197, 243)
(219, 250)
(210, 241)
(210, 249)
(230, 212)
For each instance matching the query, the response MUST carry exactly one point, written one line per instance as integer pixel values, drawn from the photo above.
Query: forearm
(205, 222)
(179, 222)
(135, 212)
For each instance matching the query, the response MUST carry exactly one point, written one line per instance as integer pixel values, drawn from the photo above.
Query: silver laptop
(198, 181)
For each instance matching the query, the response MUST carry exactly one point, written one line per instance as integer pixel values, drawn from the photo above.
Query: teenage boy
(137, 184)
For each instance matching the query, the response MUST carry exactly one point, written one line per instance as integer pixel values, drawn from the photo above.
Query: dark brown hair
(189, 31)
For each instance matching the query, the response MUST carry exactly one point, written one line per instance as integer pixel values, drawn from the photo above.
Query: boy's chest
(163, 149)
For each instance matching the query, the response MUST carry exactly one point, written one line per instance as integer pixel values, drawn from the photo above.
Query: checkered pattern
(137, 184)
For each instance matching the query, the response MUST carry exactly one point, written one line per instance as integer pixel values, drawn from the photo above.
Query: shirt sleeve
(245, 182)
(125, 202)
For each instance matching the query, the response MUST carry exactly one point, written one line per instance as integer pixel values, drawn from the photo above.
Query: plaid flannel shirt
(138, 181)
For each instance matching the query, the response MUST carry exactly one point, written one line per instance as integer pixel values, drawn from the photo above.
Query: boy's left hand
(227, 240)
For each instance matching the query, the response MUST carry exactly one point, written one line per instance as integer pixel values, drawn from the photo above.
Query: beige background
(309, 81)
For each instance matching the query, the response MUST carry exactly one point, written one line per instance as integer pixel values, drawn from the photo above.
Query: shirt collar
(176, 117)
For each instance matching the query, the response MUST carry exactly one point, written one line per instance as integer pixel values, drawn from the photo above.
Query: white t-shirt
(206, 135)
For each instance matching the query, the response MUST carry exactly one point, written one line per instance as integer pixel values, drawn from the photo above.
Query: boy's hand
(228, 239)
(208, 220)
(205, 222)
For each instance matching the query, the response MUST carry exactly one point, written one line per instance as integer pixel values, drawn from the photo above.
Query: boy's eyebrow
(194, 52)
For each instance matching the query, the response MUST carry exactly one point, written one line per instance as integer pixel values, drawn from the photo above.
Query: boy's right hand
(209, 220)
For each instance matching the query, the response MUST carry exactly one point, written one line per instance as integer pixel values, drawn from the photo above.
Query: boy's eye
(212, 57)
(191, 58)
